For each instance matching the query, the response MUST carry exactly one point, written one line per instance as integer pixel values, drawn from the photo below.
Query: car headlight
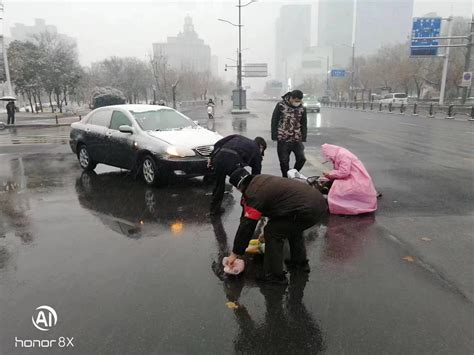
(305, 104)
(318, 104)
(181, 152)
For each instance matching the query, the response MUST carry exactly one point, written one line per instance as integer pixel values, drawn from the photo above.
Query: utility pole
(467, 62)
(5, 56)
(446, 60)
(354, 19)
(327, 76)
(239, 64)
(239, 57)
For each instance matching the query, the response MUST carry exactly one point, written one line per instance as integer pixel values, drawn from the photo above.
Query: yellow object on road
(255, 247)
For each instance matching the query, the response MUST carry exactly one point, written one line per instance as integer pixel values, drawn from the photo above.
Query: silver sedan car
(155, 141)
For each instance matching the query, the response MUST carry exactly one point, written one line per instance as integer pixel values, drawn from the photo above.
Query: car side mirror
(126, 129)
(196, 122)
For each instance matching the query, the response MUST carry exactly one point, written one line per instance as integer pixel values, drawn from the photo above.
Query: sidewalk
(41, 119)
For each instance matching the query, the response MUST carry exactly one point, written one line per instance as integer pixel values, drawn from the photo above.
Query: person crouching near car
(291, 207)
(232, 152)
(352, 191)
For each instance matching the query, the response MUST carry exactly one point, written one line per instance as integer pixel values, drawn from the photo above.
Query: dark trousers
(11, 118)
(224, 164)
(279, 229)
(284, 150)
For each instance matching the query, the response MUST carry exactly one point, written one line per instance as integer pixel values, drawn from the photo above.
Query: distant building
(215, 66)
(293, 35)
(21, 32)
(186, 51)
(335, 28)
(315, 62)
(378, 22)
(382, 22)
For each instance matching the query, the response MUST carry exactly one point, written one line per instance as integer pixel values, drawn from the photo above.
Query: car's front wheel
(151, 173)
(85, 160)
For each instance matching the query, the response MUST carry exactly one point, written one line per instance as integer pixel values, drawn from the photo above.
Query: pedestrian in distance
(232, 152)
(290, 206)
(210, 109)
(289, 129)
(11, 112)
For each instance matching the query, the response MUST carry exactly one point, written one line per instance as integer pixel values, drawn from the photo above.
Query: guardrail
(416, 109)
(188, 105)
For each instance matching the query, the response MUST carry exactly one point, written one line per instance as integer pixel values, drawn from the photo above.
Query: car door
(96, 130)
(120, 146)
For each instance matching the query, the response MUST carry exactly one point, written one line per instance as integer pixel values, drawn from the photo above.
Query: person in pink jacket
(352, 191)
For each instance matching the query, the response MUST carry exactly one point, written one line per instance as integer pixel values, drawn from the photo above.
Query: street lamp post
(351, 86)
(327, 73)
(352, 71)
(239, 57)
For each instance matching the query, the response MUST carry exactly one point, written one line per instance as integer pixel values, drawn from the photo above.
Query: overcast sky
(107, 28)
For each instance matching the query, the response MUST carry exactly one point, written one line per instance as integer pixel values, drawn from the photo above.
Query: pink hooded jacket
(352, 191)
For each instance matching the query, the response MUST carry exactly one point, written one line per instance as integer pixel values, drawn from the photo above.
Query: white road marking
(409, 124)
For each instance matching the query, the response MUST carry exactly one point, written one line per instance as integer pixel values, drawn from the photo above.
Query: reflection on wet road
(133, 269)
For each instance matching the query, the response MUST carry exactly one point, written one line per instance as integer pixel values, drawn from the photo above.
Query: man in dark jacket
(11, 112)
(289, 129)
(232, 152)
(291, 206)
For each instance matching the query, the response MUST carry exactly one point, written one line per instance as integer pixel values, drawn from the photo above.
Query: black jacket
(289, 120)
(247, 149)
(275, 197)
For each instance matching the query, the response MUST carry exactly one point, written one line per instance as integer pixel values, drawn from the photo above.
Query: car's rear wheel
(150, 172)
(85, 160)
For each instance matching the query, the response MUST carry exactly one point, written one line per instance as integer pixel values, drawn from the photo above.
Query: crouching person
(352, 191)
(291, 207)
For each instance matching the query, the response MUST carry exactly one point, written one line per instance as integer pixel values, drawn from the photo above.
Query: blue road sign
(338, 73)
(425, 27)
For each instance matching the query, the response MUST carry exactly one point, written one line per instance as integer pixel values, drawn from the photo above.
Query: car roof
(139, 107)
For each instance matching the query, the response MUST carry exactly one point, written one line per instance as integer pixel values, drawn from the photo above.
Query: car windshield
(400, 96)
(310, 99)
(162, 120)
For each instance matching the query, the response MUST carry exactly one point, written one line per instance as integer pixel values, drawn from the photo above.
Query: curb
(32, 125)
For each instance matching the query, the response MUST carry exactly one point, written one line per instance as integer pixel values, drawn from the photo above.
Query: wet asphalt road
(131, 269)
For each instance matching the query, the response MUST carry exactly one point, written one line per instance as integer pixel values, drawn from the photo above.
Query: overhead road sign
(338, 73)
(423, 28)
(255, 70)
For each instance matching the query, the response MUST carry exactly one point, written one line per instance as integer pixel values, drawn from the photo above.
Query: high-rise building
(21, 32)
(378, 22)
(186, 51)
(335, 28)
(293, 36)
(381, 22)
(215, 66)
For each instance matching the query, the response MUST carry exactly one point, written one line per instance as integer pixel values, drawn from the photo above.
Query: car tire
(85, 160)
(149, 170)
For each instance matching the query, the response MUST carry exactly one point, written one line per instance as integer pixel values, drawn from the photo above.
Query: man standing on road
(232, 152)
(11, 112)
(291, 207)
(289, 129)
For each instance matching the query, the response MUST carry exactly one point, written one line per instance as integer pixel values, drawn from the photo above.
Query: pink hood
(353, 191)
